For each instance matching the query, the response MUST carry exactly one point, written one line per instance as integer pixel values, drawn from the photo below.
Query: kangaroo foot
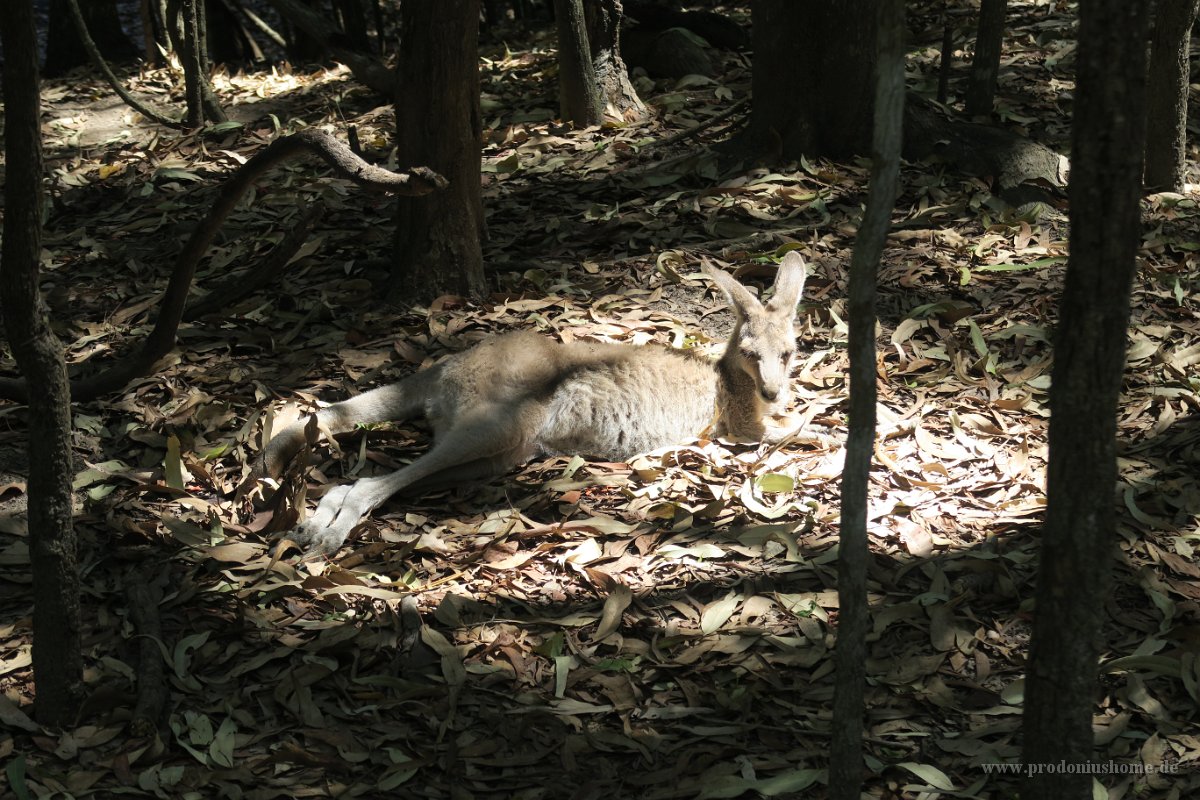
(326, 530)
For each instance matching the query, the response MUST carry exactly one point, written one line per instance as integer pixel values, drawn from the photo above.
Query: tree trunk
(1167, 97)
(192, 65)
(439, 237)
(813, 78)
(1078, 540)
(846, 762)
(617, 94)
(368, 69)
(208, 98)
(64, 49)
(57, 658)
(985, 68)
(353, 21)
(578, 91)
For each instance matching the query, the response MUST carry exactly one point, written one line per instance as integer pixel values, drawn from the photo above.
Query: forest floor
(658, 629)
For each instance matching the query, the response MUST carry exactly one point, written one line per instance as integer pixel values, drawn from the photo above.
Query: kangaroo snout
(769, 393)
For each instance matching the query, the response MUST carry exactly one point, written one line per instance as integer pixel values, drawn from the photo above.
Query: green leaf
(176, 174)
(981, 348)
(774, 482)
(14, 770)
(787, 782)
(930, 774)
(98, 473)
(1039, 264)
(222, 127)
(220, 752)
(173, 464)
(717, 614)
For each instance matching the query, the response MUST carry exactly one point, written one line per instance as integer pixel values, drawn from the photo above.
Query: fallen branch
(161, 340)
(236, 287)
(695, 130)
(143, 598)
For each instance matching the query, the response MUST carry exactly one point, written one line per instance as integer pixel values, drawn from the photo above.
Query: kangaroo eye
(786, 357)
(750, 355)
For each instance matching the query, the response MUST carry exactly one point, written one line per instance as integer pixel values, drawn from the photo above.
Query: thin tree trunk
(192, 69)
(201, 101)
(1079, 536)
(846, 761)
(578, 91)
(439, 238)
(76, 13)
(64, 47)
(368, 69)
(985, 68)
(617, 94)
(1167, 98)
(57, 658)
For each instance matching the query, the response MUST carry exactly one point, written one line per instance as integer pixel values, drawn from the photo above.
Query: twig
(161, 340)
(102, 65)
(703, 126)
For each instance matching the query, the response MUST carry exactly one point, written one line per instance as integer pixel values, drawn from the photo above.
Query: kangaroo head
(763, 342)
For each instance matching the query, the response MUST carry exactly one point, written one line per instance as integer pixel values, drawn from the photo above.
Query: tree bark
(76, 13)
(985, 68)
(850, 655)
(438, 244)
(1078, 539)
(368, 69)
(617, 94)
(353, 21)
(813, 78)
(578, 91)
(57, 658)
(201, 101)
(64, 48)
(192, 70)
(1167, 97)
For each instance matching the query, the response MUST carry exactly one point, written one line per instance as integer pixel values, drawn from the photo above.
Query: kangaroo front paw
(326, 530)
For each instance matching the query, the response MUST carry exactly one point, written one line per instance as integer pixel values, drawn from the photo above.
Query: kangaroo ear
(738, 296)
(789, 284)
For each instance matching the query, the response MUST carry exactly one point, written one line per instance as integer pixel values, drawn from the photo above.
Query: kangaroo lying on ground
(519, 395)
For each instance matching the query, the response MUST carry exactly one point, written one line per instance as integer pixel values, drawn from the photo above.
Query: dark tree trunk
(846, 762)
(617, 94)
(1167, 97)
(368, 69)
(1108, 134)
(201, 101)
(353, 21)
(813, 80)
(578, 91)
(985, 68)
(57, 658)
(64, 49)
(227, 39)
(193, 67)
(439, 237)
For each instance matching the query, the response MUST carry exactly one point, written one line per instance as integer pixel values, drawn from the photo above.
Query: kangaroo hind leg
(471, 450)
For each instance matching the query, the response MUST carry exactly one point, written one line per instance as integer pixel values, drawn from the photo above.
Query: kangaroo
(519, 395)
